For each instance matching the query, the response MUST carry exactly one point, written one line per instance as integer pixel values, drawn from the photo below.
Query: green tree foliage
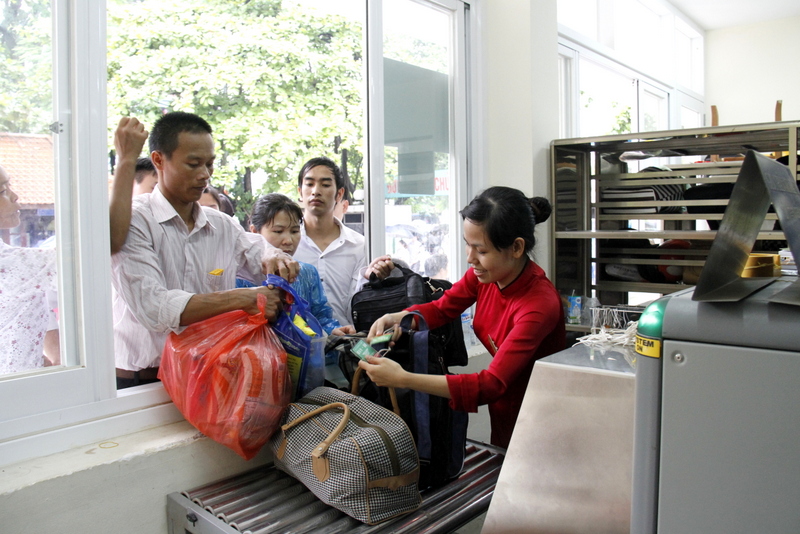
(25, 66)
(622, 119)
(277, 83)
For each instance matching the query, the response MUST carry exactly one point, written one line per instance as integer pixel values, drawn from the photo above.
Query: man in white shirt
(179, 261)
(338, 253)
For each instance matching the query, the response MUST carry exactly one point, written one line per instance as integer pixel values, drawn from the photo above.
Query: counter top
(617, 358)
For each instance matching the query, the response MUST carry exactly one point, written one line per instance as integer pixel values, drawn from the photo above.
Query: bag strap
(419, 352)
(320, 464)
(299, 305)
(408, 320)
(280, 282)
(355, 390)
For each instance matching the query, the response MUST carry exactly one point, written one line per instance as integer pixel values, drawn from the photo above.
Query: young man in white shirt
(338, 253)
(179, 261)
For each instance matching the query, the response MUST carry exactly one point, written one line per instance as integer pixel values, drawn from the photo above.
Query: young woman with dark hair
(518, 313)
(277, 218)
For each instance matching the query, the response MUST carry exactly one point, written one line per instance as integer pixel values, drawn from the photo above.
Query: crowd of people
(179, 257)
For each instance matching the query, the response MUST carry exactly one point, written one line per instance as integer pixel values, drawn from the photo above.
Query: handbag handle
(320, 465)
(408, 320)
(355, 390)
(282, 283)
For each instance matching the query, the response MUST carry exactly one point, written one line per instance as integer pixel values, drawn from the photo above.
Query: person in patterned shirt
(28, 296)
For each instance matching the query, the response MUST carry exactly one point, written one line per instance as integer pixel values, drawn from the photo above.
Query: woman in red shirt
(518, 314)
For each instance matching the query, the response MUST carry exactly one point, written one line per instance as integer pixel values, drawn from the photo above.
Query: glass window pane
(580, 16)
(653, 109)
(639, 35)
(608, 100)
(418, 141)
(279, 82)
(28, 283)
(691, 118)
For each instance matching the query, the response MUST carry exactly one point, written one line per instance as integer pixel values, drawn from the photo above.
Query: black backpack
(404, 288)
(440, 432)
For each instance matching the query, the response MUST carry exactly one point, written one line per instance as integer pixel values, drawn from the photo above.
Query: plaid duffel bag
(351, 453)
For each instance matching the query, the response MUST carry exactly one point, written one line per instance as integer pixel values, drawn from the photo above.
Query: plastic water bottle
(470, 339)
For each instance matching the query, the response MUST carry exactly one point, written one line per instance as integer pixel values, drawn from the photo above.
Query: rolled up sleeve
(141, 283)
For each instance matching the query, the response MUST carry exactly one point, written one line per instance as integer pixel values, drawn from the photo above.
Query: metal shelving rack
(587, 237)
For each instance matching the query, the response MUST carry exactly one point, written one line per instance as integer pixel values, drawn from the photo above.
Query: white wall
(749, 68)
(520, 39)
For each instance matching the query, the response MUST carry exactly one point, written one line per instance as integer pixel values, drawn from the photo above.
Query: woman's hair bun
(541, 208)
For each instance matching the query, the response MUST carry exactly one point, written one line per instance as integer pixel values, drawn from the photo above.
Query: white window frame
(643, 87)
(569, 97)
(460, 111)
(572, 45)
(54, 410)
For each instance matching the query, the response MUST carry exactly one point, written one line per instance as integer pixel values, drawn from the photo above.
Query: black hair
(144, 166)
(165, 132)
(434, 264)
(325, 162)
(226, 203)
(506, 214)
(268, 206)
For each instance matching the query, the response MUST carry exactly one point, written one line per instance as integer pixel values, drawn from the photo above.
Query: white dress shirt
(162, 265)
(341, 267)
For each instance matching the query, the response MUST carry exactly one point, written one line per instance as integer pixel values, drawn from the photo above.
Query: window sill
(118, 485)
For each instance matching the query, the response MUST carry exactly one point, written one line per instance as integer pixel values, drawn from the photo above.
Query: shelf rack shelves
(595, 229)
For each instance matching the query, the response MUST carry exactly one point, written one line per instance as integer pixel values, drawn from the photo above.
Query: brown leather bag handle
(354, 389)
(320, 464)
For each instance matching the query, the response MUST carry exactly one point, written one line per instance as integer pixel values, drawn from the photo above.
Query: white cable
(611, 336)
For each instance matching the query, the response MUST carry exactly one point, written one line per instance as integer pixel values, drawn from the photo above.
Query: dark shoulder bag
(397, 292)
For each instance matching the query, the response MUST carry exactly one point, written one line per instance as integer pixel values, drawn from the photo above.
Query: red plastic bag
(228, 377)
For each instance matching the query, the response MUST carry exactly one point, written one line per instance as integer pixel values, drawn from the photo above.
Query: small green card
(362, 349)
(381, 339)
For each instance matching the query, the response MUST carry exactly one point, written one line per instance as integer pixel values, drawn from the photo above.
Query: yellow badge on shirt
(217, 272)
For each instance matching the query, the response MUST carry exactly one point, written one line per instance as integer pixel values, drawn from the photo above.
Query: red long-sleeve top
(518, 325)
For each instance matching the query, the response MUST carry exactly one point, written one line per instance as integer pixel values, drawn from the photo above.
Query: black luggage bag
(404, 288)
(439, 431)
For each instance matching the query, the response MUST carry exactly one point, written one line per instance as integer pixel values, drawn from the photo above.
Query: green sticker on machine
(362, 349)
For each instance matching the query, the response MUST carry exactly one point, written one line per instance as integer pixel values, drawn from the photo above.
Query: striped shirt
(162, 265)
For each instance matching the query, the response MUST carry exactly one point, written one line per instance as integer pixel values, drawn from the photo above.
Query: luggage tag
(362, 349)
(381, 343)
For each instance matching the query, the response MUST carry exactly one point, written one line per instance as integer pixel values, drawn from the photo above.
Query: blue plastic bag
(302, 338)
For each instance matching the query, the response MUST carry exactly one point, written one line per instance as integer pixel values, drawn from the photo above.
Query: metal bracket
(761, 181)
(57, 127)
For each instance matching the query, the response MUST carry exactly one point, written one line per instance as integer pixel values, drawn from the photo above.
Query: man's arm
(52, 352)
(140, 280)
(203, 306)
(128, 140)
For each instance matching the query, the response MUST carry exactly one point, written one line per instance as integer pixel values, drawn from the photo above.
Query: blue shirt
(309, 287)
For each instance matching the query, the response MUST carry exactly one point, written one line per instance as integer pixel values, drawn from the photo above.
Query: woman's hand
(390, 320)
(385, 372)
